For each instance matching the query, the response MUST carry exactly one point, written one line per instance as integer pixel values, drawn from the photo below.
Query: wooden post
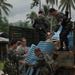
(74, 41)
(39, 5)
(74, 36)
(7, 49)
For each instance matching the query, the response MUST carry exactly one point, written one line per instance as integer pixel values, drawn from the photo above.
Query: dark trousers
(64, 38)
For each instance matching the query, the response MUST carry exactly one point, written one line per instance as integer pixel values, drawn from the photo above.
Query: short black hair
(51, 10)
(40, 12)
(37, 50)
(13, 41)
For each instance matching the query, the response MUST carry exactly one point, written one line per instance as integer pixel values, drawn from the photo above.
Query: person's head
(14, 43)
(23, 42)
(53, 12)
(41, 12)
(37, 51)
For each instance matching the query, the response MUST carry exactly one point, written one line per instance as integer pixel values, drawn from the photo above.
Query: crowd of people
(18, 53)
(45, 62)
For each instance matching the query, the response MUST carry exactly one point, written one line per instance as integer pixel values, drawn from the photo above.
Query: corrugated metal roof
(1, 33)
(4, 39)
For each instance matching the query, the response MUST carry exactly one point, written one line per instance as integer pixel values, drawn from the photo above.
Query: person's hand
(25, 55)
(50, 33)
(26, 51)
(30, 65)
(23, 62)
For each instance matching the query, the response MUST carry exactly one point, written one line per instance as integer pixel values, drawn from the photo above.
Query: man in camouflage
(63, 20)
(11, 66)
(44, 62)
(41, 26)
(14, 57)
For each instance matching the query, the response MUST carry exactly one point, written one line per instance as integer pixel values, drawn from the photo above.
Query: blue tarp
(70, 36)
(56, 34)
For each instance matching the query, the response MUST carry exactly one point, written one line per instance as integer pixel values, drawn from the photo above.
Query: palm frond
(8, 5)
(5, 8)
(5, 11)
(73, 1)
(73, 6)
(63, 7)
(45, 9)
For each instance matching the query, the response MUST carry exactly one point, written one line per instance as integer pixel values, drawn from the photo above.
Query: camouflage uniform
(66, 28)
(42, 63)
(11, 66)
(13, 55)
(41, 26)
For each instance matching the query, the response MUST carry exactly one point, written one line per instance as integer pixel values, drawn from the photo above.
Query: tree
(46, 9)
(32, 16)
(4, 25)
(34, 3)
(52, 2)
(67, 5)
(5, 7)
(24, 24)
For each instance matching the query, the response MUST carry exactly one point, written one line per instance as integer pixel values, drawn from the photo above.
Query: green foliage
(4, 25)
(1, 65)
(32, 16)
(5, 7)
(46, 10)
(34, 3)
(52, 2)
(67, 5)
(24, 24)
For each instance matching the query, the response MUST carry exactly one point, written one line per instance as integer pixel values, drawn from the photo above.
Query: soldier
(66, 27)
(22, 51)
(13, 55)
(41, 26)
(13, 58)
(44, 62)
(22, 48)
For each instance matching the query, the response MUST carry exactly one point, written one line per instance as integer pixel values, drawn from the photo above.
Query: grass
(1, 65)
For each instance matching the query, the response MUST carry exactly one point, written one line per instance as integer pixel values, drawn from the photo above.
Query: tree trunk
(0, 14)
(39, 5)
